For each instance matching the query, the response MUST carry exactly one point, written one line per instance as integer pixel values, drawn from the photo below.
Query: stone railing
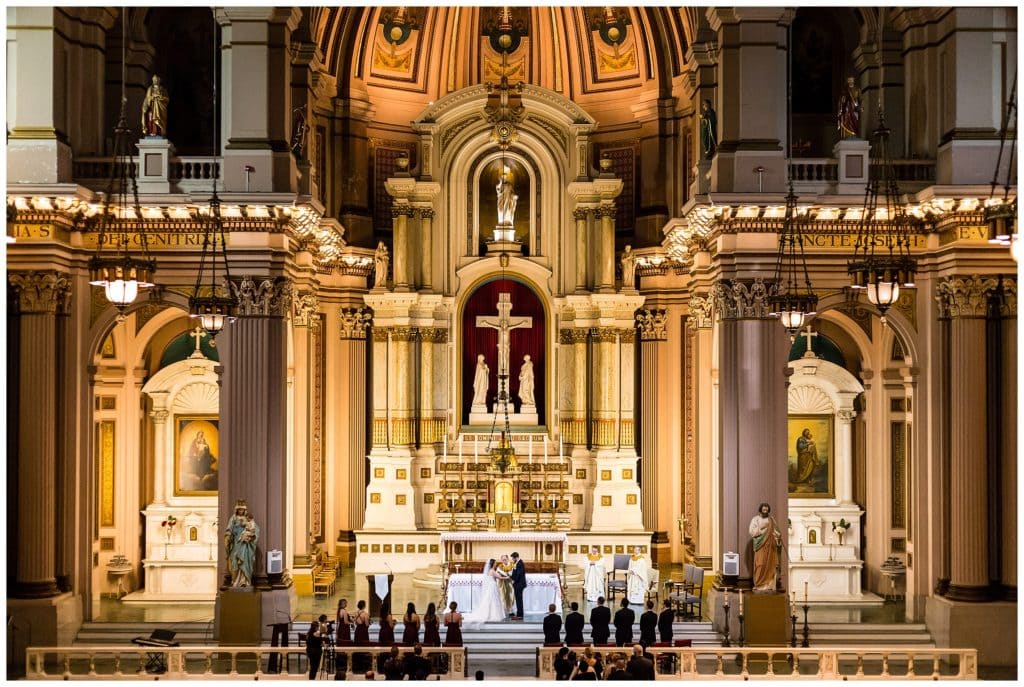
(218, 662)
(819, 663)
(821, 174)
(186, 174)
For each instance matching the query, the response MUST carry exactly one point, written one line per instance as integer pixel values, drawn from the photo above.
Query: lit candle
(741, 601)
(805, 591)
(545, 449)
(792, 606)
(529, 450)
(476, 445)
(726, 602)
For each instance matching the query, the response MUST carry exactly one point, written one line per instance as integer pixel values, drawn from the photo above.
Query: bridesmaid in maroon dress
(343, 622)
(362, 624)
(453, 624)
(411, 622)
(431, 635)
(386, 636)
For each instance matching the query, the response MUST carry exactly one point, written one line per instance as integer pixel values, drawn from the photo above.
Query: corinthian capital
(735, 300)
(304, 310)
(40, 292)
(965, 298)
(653, 325)
(1008, 299)
(270, 297)
(700, 312)
(354, 322)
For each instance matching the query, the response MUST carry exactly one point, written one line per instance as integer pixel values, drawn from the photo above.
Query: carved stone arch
(107, 320)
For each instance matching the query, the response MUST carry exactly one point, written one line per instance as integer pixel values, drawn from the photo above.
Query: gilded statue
(154, 110)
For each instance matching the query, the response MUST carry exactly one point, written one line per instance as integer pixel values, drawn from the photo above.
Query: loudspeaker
(731, 564)
(275, 562)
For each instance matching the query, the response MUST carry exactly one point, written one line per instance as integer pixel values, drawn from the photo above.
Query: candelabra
(792, 618)
(726, 642)
(807, 628)
(743, 634)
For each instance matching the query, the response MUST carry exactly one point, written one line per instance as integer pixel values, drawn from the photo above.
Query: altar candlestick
(805, 591)
(793, 604)
(741, 601)
(529, 450)
(545, 449)
(476, 446)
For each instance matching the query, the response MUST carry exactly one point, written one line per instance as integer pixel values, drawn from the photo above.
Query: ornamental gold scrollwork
(271, 297)
(736, 300)
(965, 297)
(304, 313)
(354, 323)
(41, 292)
(653, 325)
(700, 313)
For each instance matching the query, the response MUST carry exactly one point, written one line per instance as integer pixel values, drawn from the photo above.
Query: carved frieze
(354, 322)
(41, 292)
(404, 333)
(965, 297)
(1008, 299)
(437, 335)
(736, 300)
(263, 298)
(653, 325)
(572, 336)
(304, 311)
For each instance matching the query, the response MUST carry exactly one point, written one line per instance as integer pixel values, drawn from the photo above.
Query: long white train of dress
(491, 608)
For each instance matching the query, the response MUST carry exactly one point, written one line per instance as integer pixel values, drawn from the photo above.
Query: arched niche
(181, 561)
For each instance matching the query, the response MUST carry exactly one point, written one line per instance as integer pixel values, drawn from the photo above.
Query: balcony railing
(821, 174)
(187, 174)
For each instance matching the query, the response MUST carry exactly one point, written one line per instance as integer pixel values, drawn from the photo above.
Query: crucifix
(809, 334)
(504, 323)
(198, 333)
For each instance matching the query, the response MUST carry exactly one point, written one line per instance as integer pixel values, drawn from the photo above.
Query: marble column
(700, 515)
(39, 296)
(400, 214)
(965, 302)
(653, 333)
(581, 216)
(753, 350)
(426, 216)
(253, 416)
(605, 385)
(605, 278)
(1008, 435)
(307, 492)
(350, 440)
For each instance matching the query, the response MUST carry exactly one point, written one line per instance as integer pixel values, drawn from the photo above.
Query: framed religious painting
(811, 457)
(196, 453)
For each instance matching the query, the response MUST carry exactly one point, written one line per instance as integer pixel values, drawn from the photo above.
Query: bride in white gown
(490, 608)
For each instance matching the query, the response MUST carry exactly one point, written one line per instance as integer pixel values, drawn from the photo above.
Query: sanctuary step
(100, 633)
(873, 634)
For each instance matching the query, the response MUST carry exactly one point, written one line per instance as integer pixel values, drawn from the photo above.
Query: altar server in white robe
(636, 577)
(594, 580)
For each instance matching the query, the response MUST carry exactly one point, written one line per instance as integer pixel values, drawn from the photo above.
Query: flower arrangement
(840, 528)
(168, 526)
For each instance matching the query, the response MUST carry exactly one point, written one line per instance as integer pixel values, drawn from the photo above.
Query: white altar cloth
(541, 589)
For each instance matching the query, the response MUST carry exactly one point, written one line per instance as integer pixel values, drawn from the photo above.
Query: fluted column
(307, 478)
(426, 390)
(580, 215)
(350, 440)
(253, 415)
(699, 479)
(605, 383)
(400, 217)
(653, 332)
(965, 302)
(400, 386)
(39, 296)
(1008, 438)
(427, 255)
(752, 395)
(606, 247)
(159, 416)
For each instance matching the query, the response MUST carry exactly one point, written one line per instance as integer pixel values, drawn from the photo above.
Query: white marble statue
(481, 381)
(380, 266)
(504, 323)
(507, 200)
(628, 262)
(526, 382)
(636, 577)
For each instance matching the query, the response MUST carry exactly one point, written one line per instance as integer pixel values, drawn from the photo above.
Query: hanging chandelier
(790, 301)
(120, 272)
(1001, 213)
(881, 261)
(211, 304)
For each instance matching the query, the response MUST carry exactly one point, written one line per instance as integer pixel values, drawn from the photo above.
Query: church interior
(307, 300)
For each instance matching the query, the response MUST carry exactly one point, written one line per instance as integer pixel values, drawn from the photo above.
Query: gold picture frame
(811, 462)
(196, 453)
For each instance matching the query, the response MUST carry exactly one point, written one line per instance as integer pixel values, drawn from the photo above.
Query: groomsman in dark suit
(600, 619)
(665, 621)
(574, 625)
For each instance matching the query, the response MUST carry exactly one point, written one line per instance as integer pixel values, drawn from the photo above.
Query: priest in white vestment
(636, 577)
(594, 580)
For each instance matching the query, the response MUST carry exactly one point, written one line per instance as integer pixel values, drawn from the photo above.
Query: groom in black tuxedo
(518, 578)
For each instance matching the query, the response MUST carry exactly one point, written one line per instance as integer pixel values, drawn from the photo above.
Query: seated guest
(564, 663)
(574, 625)
(552, 626)
(640, 667)
(600, 618)
(417, 667)
(665, 621)
(479, 675)
(583, 671)
(624, 618)
(369, 675)
(648, 624)
(394, 667)
(618, 671)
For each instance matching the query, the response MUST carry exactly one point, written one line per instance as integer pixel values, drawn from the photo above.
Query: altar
(541, 589)
(479, 546)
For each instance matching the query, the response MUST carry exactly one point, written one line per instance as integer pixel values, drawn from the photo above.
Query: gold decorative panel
(378, 473)
(606, 500)
(422, 548)
(399, 548)
(631, 499)
(106, 543)
(606, 475)
(105, 439)
(572, 548)
(387, 548)
(433, 548)
(401, 473)
(399, 499)
(627, 474)
(581, 473)
(606, 549)
(577, 499)
(428, 498)
(374, 497)
(363, 548)
(424, 473)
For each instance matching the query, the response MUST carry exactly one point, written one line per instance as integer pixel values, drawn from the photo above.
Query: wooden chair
(653, 576)
(693, 602)
(323, 582)
(619, 564)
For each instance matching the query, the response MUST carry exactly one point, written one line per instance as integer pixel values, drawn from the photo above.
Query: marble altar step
(186, 633)
(873, 634)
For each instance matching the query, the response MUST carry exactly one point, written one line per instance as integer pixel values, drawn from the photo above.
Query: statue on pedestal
(240, 539)
(507, 200)
(708, 130)
(767, 549)
(526, 382)
(628, 262)
(848, 117)
(380, 266)
(154, 110)
(481, 381)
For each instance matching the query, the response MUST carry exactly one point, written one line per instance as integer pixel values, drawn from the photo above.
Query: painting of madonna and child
(811, 459)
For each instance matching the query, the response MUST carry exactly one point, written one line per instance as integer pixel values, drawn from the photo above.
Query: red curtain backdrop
(475, 340)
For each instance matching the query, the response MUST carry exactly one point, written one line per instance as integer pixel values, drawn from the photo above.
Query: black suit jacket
(600, 618)
(648, 623)
(665, 621)
(620, 675)
(518, 575)
(574, 628)
(552, 628)
(417, 667)
(640, 668)
(624, 619)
